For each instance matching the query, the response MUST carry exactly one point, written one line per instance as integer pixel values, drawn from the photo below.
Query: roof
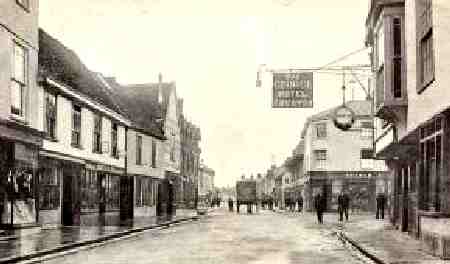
(362, 108)
(140, 103)
(63, 65)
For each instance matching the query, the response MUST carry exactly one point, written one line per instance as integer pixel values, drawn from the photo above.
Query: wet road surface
(266, 237)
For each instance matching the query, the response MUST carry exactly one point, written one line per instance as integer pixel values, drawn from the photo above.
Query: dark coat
(319, 203)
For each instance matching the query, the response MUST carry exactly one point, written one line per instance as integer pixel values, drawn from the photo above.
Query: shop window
(430, 149)
(18, 80)
(321, 130)
(50, 114)
(89, 190)
(76, 126)
(49, 185)
(114, 151)
(112, 192)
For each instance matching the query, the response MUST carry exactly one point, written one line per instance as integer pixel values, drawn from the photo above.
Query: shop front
(19, 148)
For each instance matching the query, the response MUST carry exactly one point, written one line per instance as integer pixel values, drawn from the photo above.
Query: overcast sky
(212, 49)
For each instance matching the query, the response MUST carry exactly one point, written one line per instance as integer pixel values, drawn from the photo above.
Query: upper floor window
(321, 130)
(154, 152)
(24, 3)
(425, 43)
(76, 126)
(18, 80)
(172, 150)
(50, 114)
(114, 151)
(397, 58)
(138, 150)
(366, 158)
(321, 158)
(97, 147)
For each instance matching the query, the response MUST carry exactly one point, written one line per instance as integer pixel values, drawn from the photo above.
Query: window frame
(321, 130)
(75, 129)
(114, 138)
(154, 152)
(425, 38)
(138, 150)
(97, 134)
(50, 113)
(320, 158)
(21, 84)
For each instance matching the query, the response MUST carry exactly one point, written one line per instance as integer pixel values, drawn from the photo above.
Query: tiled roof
(140, 102)
(61, 64)
(362, 108)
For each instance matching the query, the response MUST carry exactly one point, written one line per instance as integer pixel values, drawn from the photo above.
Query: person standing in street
(341, 205)
(230, 204)
(346, 205)
(319, 206)
(381, 200)
(300, 203)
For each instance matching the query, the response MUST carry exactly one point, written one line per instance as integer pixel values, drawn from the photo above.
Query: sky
(212, 50)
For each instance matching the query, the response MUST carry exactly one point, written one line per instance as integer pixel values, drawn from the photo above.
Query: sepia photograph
(224, 131)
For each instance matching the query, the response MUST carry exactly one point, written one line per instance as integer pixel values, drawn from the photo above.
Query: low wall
(95, 219)
(145, 211)
(50, 217)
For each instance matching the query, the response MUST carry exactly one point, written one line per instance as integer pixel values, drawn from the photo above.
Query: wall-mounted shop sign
(344, 117)
(292, 90)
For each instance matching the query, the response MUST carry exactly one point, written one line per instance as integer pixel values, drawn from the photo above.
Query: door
(405, 200)
(71, 207)
(126, 197)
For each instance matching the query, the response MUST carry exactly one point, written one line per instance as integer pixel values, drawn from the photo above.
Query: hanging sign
(292, 90)
(344, 117)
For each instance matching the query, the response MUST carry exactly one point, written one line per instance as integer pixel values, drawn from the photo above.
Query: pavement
(377, 240)
(226, 237)
(49, 241)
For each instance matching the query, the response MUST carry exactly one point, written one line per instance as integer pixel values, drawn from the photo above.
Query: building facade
(190, 158)
(408, 41)
(336, 160)
(205, 181)
(20, 131)
(82, 160)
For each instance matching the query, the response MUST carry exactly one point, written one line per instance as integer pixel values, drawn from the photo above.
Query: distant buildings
(205, 181)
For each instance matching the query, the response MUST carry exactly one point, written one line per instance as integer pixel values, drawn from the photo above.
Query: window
(138, 150)
(172, 150)
(430, 164)
(97, 147)
(114, 151)
(49, 182)
(18, 80)
(321, 158)
(397, 58)
(154, 152)
(366, 129)
(89, 190)
(366, 158)
(426, 52)
(76, 126)
(50, 114)
(24, 4)
(321, 130)
(144, 191)
(112, 192)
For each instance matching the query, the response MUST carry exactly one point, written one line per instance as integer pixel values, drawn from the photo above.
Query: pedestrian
(319, 206)
(300, 203)
(230, 205)
(346, 204)
(341, 205)
(381, 200)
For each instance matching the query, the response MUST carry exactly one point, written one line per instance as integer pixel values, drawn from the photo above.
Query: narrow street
(223, 237)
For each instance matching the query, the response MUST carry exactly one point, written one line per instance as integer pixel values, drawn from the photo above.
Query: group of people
(290, 204)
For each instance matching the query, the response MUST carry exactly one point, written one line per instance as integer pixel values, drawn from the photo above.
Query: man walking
(346, 205)
(319, 205)
(341, 205)
(380, 205)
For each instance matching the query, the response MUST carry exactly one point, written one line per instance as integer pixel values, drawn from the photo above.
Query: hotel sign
(292, 90)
